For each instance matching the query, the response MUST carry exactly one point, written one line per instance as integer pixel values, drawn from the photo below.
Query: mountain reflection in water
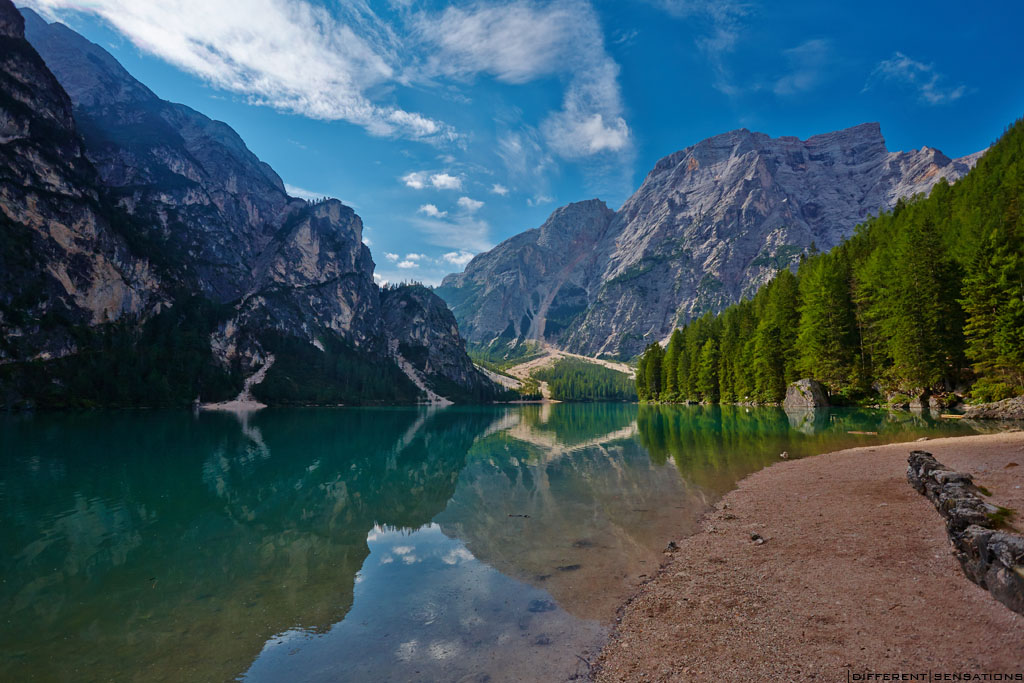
(360, 543)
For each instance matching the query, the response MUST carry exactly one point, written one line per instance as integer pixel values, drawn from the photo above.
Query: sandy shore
(855, 576)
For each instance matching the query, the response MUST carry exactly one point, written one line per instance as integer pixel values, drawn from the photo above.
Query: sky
(450, 127)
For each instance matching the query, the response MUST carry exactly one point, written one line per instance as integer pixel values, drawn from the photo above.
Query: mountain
(150, 256)
(60, 258)
(709, 225)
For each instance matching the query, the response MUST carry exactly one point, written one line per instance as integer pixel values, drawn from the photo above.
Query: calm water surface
(467, 544)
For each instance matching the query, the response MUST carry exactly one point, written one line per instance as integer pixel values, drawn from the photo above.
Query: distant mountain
(709, 225)
(145, 241)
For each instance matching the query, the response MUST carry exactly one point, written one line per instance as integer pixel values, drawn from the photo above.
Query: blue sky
(452, 126)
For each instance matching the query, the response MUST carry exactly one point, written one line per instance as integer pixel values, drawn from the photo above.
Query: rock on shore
(1007, 409)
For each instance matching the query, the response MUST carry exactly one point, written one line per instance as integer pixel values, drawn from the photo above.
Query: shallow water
(398, 544)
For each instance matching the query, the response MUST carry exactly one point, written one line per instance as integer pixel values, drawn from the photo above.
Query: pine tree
(707, 374)
(670, 367)
(826, 337)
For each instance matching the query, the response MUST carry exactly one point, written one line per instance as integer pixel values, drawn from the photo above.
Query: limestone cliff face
(195, 215)
(422, 329)
(532, 285)
(195, 188)
(709, 224)
(61, 262)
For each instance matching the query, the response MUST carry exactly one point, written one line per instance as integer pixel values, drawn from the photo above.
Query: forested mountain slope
(927, 298)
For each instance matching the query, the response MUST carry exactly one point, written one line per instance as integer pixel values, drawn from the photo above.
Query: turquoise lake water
(391, 544)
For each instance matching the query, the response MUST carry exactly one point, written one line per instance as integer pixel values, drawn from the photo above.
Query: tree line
(571, 379)
(927, 298)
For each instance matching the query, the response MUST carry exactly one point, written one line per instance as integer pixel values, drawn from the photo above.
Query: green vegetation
(500, 356)
(571, 379)
(926, 298)
(302, 374)
(164, 362)
(1002, 517)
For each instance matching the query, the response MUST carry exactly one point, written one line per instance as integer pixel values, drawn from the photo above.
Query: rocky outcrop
(118, 205)
(62, 264)
(422, 332)
(532, 286)
(991, 558)
(1007, 409)
(709, 224)
(806, 393)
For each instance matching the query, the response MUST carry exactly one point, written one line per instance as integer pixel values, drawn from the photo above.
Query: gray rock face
(806, 393)
(146, 203)
(423, 330)
(709, 224)
(61, 262)
(532, 285)
(194, 187)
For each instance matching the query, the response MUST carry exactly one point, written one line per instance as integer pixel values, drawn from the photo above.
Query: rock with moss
(806, 393)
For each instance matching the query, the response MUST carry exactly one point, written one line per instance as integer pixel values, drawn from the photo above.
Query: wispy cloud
(499, 189)
(807, 64)
(523, 41)
(724, 21)
(291, 55)
(391, 257)
(463, 232)
(931, 86)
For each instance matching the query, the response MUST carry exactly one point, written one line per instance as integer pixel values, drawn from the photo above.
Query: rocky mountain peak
(709, 224)
(12, 24)
(145, 219)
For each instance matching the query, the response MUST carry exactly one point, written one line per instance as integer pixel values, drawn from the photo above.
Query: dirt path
(855, 576)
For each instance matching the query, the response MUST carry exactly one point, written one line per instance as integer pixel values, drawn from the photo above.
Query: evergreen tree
(826, 336)
(707, 373)
(670, 367)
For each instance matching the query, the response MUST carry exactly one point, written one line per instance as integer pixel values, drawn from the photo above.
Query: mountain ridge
(210, 266)
(709, 224)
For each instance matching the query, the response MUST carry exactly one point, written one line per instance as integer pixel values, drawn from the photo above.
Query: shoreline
(854, 574)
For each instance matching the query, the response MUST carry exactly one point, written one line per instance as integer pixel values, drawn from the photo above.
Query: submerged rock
(806, 393)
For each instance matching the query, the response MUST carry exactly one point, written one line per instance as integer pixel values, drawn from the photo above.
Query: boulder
(1007, 409)
(806, 393)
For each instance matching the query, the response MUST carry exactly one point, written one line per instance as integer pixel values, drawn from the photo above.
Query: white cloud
(414, 257)
(301, 193)
(808, 62)
(432, 211)
(523, 41)
(408, 264)
(420, 180)
(391, 257)
(539, 199)
(458, 258)
(499, 189)
(469, 205)
(443, 181)
(923, 78)
(291, 55)
(417, 180)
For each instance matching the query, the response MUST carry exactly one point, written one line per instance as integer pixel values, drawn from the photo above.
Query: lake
(387, 544)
